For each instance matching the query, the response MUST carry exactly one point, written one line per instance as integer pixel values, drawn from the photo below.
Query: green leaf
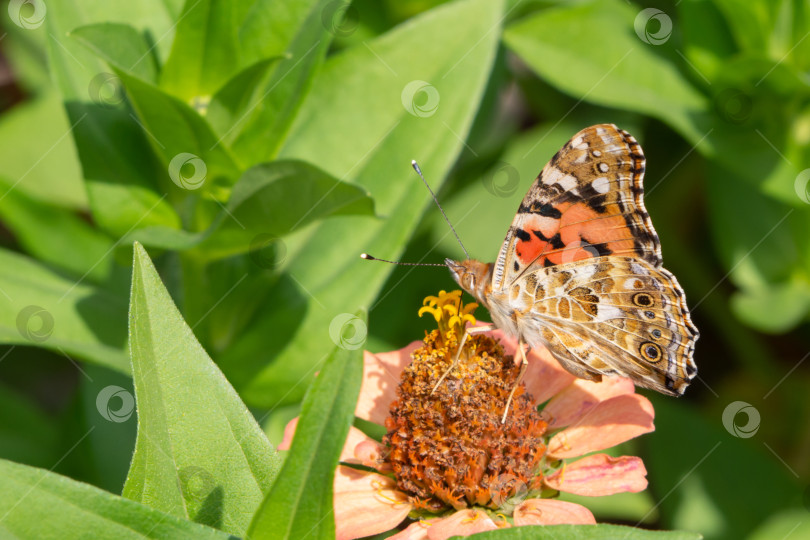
(118, 165)
(121, 46)
(39, 307)
(622, 72)
(43, 164)
(55, 235)
(776, 309)
(173, 126)
(259, 135)
(177, 130)
(300, 503)
(355, 126)
(205, 51)
(275, 198)
(584, 532)
(199, 453)
(750, 22)
(73, 508)
(238, 97)
(270, 200)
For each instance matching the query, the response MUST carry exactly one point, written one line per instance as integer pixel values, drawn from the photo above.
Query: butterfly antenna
(368, 257)
(415, 166)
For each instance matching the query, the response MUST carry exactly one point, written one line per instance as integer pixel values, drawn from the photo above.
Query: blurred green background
(256, 148)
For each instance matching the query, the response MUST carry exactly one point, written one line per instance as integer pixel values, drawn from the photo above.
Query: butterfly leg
(467, 332)
(523, 366)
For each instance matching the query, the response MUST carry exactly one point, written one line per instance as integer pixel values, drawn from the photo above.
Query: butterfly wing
(586, 202)
(608, 316)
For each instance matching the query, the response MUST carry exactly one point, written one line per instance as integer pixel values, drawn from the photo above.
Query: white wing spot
(603, 167)
(596, 153)
(606, 313)
(601, 184)
(568, 182)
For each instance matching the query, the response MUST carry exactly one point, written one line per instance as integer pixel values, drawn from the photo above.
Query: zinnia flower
(450, 465)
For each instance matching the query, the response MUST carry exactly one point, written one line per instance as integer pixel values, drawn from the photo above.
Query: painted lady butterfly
(580, 270)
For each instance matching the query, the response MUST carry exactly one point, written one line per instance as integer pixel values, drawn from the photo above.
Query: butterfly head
(474, 277)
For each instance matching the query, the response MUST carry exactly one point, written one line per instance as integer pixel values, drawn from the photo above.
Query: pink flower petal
(552, 512)
(414, 531)
(609, 423)
(381, 373)
(599, 475)
(289, 431)
(544, 377)
(462, 523)
(358, 448)
(366, 503)
(577, 400)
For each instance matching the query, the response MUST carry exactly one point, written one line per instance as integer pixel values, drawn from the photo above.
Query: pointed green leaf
(300, 503)
(200, 454)
(76, 510)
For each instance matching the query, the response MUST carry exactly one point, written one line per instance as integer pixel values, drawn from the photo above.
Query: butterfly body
(580, 270)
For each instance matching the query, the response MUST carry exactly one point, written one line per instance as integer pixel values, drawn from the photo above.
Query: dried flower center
(448, 447)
